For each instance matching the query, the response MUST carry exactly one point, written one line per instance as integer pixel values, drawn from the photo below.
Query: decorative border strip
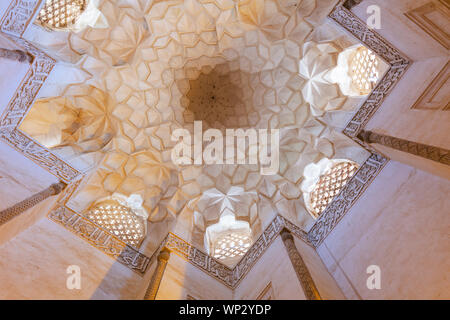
(15, 22)
(133, 259)
(13, 25)
(398, 62)
(138, 262)
(342, 203)
(100, 238)
(199, 259)
(18, 16)
(258, 248)
(216, 269)
(87, 230)
(19, 106)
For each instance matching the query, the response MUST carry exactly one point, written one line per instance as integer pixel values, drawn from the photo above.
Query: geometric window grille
(61, 14)
(329, 185)
(364, 70)
(118, 220)
(231, 244)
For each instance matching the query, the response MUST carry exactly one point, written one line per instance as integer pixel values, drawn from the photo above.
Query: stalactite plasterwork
(15, 22)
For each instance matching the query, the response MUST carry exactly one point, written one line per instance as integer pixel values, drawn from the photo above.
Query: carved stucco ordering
(346, 198)
(18, 16)
(100, 238)
(18, 107)
(14, 24)
(398, 65)
(112, 246)
(199, 259)
(133, 259)
(231, 277)
(87, 230)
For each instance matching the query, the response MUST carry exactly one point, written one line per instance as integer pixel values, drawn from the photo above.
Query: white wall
(20, 177)
(400, 31)
(33, 266)
(324, 281)
(401, 224)
(181, 279)
(395, 117)
(273, 266)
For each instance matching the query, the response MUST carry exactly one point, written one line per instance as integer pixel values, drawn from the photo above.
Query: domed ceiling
(110, 106)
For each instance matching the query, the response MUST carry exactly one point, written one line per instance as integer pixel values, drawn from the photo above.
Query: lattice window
(231, 244)
(119, 220)
(329, 184)
(364, 70)
(61, 14)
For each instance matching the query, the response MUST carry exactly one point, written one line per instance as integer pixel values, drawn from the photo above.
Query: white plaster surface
(33, 266)
(400, 30)
(181, 279)
(273, 266)
(324, 281)
(428, 57)
(25, 219)
(401, 224)
(20, 177)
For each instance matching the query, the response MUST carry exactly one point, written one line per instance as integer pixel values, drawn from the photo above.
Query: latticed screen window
(329, 185)
(364, 70)
(61, 14)
(231, 244)
(119, 220)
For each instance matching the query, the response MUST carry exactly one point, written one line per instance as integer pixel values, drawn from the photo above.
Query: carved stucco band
(422, 150)
(112, 246)
(14, 23)
(106, 242)
(30, 202)
(100, 238)
(18, 107)
(16, 55)
(231, 277)
(397, 61)
(303, 275)
(18, 16)
(153, 287)
(133, 259)
(342, 203)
